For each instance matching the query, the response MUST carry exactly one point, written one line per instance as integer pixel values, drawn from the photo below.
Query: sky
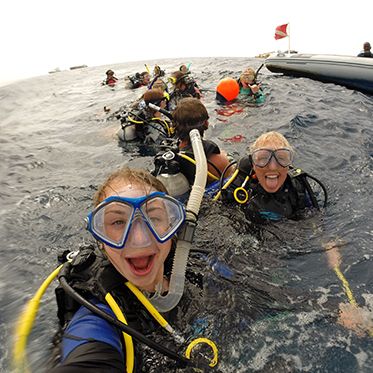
(37, 36)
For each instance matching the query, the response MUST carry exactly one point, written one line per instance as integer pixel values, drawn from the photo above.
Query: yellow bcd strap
(130, 351)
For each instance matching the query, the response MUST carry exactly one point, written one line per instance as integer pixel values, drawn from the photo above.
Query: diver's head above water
(135, 221)
(271, 156)
(189, 114)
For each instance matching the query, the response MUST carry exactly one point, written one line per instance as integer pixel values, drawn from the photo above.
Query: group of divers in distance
(115, 293)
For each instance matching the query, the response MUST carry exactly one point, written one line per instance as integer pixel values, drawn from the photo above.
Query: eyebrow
(120, 212)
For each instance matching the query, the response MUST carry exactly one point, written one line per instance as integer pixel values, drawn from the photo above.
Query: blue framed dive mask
(110, 222)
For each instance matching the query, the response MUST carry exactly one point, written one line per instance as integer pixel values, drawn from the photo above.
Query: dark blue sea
(271, 300)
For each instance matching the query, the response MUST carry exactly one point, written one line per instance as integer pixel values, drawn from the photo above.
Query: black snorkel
(163, 111)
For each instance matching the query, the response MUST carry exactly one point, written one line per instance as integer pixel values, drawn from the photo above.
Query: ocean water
(271, 300)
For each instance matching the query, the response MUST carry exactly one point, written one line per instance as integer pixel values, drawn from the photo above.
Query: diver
(158, 73)
(266, 184)
(249, 88)
(191, 114)
(111, 79)
(138, 80)
(145, 124)
(135, 224)
(183, 86)
(184, 69)
(158, 83)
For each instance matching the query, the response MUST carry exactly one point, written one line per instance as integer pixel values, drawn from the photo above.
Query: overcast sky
(39, 35)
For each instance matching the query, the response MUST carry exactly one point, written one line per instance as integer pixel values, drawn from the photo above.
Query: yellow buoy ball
(228, 89)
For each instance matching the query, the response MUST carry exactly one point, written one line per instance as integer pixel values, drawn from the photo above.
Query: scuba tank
(168, 172)
(127, 133)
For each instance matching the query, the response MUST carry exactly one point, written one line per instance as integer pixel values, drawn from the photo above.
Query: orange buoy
(228, 89)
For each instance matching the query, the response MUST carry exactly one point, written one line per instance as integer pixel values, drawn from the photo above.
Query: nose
(139, 235)
(272, 164)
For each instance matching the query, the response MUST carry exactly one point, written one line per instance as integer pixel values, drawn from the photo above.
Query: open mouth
(271, 181)
(141, 266)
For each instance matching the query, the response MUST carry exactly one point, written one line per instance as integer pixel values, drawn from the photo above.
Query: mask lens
(284, 157)
(111, 222)
(164, 215)
(262, 157)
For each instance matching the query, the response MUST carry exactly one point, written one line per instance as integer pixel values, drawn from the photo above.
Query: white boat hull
(352, 72)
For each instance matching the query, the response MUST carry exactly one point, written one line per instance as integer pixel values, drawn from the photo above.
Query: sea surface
(271, 300)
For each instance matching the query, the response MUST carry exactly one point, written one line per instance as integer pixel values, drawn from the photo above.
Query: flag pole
(288, 32)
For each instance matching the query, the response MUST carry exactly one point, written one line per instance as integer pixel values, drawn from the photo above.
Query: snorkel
(167, 302)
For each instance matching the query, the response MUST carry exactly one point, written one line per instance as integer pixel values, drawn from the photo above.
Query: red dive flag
(281, 31)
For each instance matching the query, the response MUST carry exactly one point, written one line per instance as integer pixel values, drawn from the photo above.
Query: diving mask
(262, 157)
(110, 222)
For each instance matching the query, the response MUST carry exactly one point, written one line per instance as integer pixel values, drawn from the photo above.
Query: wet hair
(109, 72)
(274, 137)
(131, 175)
(179, 77)
(154, 95)
(189, 114)
(248, 72)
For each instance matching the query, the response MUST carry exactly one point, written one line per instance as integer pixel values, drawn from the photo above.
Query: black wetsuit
(365, 54)
(287, 202)
(134, 81)
(188, 168)
(294, 196)
(177, 95)
(88, 343)
(148, 130)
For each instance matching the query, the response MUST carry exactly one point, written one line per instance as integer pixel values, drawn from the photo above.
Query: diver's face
(141, 261)
(246, 80)
(273, 175)
(146, 79)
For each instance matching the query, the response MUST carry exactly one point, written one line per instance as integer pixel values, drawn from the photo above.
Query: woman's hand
(357, 319)
(255, 88)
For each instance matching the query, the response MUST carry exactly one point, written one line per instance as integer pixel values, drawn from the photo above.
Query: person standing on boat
(366, 52)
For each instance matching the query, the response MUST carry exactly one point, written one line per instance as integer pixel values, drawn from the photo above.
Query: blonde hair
(249, 73)
(274, 137)
(131, 175)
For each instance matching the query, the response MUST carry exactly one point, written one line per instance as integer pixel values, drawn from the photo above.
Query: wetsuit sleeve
(90, 341)
(93, 357)
(210, 147)
(87, 327)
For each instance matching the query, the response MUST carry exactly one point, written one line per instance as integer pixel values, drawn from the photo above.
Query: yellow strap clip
(197, 341)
